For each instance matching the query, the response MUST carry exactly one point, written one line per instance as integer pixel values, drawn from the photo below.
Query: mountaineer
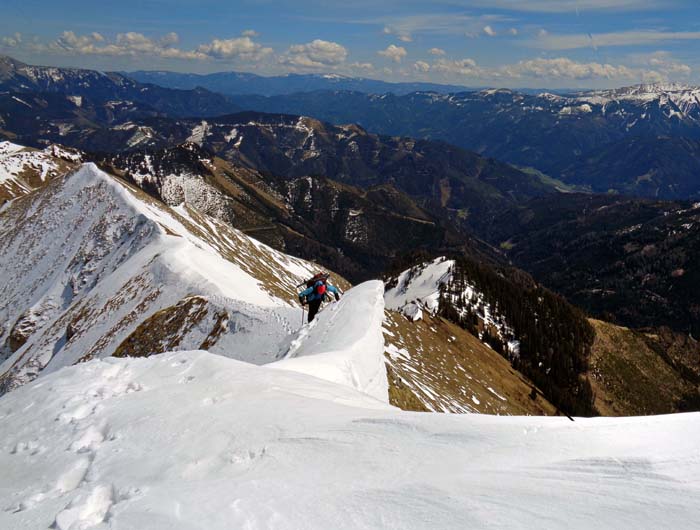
(317, 289)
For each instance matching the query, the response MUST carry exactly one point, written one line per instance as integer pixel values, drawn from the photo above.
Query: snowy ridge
(253, 447)
(89, 261)
(345, 344)
(23, 169)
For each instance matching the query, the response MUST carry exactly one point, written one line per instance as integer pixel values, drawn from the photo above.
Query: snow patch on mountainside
(23, 169)
(422, 287)
(418, 288)
(191, 439)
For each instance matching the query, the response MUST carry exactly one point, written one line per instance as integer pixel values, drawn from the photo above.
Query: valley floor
(195, 440)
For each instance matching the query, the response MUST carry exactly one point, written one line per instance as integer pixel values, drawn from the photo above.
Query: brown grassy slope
(435, 365)
(632, 377)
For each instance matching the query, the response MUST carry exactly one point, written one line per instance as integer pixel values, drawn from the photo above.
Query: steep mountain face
(23, 170)
(100, 88)
(93, 267)
(635, 373)
(630, 261)
(541, 335)
(435, 365)
(546, 131)
(353, 231)
(238, 83)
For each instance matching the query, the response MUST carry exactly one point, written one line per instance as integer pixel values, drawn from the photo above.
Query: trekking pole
(302, 316)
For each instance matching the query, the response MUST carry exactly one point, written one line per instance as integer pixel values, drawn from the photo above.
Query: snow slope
(92, 266)
(255, 447)
(345, 344)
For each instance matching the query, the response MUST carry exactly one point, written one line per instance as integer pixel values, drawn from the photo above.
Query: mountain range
(239, 83)
(568, 137)
(108, 90)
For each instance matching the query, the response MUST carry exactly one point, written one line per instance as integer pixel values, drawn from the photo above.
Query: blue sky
(510, 43)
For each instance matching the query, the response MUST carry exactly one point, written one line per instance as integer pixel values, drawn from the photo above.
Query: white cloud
(132, 44)
(362, 66)
(11, 41)
(488, 30)
(243, 48)
(421, 66)
(573, 41)
(170, 39)
(658, 67)
(564, 68)
(250, 33)
(317, 54)
(402, 35)
(513, 31)
(436, 51)
(460, 67)
(666, 65)
(393, 52)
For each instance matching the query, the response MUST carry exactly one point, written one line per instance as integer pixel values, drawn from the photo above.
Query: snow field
(194, 440)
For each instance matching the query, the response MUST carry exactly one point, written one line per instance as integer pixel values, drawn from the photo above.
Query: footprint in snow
(74, 475)
(77, 414)
(88, 510)
(31, 448)
(90, 439)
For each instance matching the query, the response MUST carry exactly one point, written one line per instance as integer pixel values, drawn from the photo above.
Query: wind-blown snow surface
(88, 259)
(345, 344)
(194, 440)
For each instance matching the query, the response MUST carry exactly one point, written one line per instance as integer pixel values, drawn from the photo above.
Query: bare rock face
(24, 327)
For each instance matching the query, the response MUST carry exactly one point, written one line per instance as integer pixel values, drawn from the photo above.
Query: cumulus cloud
(243, 48)
(488, 30)
(658, 67)
(394, 53)
(137, 44)
(421, 66)
(459, 67)
(436, 51)
(11, 41)
(665, 65)
(564, 68)
(317, 54)
(401, 34)
(362, 66)
(250, 33)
